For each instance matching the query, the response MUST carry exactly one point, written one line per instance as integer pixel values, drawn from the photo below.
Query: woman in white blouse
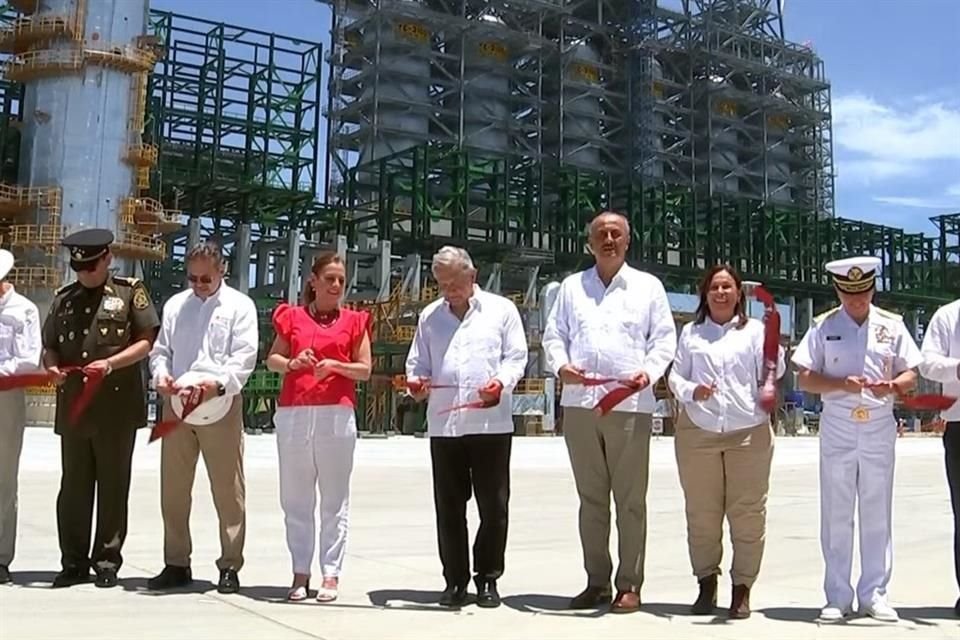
(724, 441)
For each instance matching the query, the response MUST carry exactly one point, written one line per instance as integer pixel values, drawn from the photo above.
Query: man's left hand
(491, 391)
(207, 387)
(641, 380)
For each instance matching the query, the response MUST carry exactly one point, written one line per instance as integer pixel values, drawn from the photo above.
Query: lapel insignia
(140, 299)
(103, 331)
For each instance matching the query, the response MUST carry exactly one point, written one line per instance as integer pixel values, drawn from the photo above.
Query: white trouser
(315, 445)
(856, 464)
(13, 410)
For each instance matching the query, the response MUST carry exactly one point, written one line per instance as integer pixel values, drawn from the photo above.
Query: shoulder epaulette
(65, 287)
(130, 282)
(826, 314)
(889, 314)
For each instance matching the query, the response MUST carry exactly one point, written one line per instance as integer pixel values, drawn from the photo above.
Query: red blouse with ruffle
(336, 342)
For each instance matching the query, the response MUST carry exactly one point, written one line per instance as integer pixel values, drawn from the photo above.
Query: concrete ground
(392, 573)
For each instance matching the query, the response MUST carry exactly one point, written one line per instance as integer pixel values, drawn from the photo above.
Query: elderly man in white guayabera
(613, 322)
(468, 354)
(941, 362)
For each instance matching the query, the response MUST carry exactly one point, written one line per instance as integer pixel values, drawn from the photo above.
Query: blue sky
(895, 70)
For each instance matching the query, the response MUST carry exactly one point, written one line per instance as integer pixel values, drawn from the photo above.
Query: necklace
(325, 319)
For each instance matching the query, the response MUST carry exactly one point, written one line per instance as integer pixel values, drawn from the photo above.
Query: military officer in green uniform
(106, 324)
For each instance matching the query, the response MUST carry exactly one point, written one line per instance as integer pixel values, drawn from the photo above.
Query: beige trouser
(610, 453)
(221, 444)
(725, 474)
(13, 416)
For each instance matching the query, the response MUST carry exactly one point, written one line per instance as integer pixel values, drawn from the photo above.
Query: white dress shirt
(879, 349)
(20, 344)
(941, 354)
(611, 332)
(732, 360)
(218, 336)
(488, 343)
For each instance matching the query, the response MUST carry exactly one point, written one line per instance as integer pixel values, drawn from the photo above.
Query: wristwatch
(221, 390)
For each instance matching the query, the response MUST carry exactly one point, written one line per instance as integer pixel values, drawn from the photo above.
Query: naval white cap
(854, 275)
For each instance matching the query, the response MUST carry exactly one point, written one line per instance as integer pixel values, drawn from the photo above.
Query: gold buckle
(860, 414)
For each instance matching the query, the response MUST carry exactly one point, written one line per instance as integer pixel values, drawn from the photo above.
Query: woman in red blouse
(322, 350)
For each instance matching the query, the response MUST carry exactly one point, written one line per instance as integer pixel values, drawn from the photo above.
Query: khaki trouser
(221, 444)
(725, 474)
(13, 416)
(610, 453)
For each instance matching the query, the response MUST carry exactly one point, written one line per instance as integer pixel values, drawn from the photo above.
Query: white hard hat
(6, 263)
(210, 411)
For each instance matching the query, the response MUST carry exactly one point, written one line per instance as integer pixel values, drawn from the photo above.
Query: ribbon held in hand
(624, 389)
(928, 402)
(91, 382)
(492, 390)
(771, 348)
(194, 398)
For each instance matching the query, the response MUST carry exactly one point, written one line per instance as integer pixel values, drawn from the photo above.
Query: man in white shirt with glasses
(209, 340)
(614, 322)
(941, 363)
(469, 348)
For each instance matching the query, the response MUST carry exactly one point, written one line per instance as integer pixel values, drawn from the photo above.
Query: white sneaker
(881, 611)
(833, 613)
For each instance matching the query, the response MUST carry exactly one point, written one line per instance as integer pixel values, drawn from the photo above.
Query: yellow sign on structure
(413, 31)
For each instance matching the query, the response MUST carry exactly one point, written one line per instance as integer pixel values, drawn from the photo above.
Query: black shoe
(229, 581)
(106, 578)
(4, 574)
(707, 599)
(170, 578)
(71, 576)
(592, 598)
(453, 596)
(487, 596)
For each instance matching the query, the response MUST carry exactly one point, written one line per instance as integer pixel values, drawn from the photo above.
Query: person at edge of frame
(106, 324)
(941, 363)
(19, 353)
(857, 357)
(610, 321)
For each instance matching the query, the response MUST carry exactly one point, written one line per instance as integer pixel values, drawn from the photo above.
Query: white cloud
(918, 202)
(954, 190)
(889, 135)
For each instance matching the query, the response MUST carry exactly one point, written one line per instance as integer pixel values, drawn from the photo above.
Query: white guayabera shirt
(218, 336)
(488, 343)
(611, 332)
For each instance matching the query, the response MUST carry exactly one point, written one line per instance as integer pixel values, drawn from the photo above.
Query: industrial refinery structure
(499, 126)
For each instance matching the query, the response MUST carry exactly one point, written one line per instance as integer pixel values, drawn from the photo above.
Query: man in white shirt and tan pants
(469, 346)
(209, 332)
(20, 348)
(941, 363)
(611, 321)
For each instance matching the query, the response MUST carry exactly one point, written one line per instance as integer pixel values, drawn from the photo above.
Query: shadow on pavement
(550, 605)
(139, 585)
(410, 599)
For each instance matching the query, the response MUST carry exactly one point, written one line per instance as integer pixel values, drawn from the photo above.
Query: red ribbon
(928, 402)
(475, 404)
(92, 380)
(624, 389)
(771, 349)
(194, 398)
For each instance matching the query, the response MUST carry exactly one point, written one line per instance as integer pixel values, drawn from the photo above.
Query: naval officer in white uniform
(857, 356)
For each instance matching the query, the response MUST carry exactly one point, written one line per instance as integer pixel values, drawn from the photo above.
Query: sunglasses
(201, 279)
